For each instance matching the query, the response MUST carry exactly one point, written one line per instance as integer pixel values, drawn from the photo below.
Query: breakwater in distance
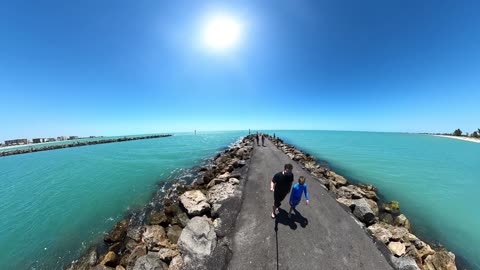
(77, 144)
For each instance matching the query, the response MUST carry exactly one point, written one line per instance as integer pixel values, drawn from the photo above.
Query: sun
(222, 32)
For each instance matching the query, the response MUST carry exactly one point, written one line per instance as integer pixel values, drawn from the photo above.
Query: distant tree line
(475, 134)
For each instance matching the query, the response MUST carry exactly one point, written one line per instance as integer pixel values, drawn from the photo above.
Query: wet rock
(176, 263)
(109, 259)
(440, 260)
(397, 248)
(102, 267)
(170, 210)
(150, 262)
(404, 263)
(155, 237)
(425, 251)
(402, 221)
(195, 202)
(220, 192)
(198, 240)
(363, 211)
(173, 233)
(118, 233)
(157, 218)
(391, 207)
(119, 267)
(117, 247)
(380, 233)
(135, 233)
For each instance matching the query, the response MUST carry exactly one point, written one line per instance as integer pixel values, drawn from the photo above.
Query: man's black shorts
(278, 198)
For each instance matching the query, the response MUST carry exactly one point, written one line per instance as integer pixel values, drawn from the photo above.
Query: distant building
(39, 140)
(51, 140)
(62, 138)
(73, 137)
(16, 142)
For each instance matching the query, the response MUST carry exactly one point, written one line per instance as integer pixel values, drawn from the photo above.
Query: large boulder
(150, 262)
(402, 221)
(195, 202)
(380, 233)
(155, 237)
(220, 192)
(198, 240)
(440, 260)
(118, 232)
(405, 263)
(391, 207)
(397, 248)
(363, 211)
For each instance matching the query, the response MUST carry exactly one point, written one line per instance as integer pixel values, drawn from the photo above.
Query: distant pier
(76, 144)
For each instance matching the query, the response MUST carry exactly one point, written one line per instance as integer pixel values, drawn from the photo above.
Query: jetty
(321, 235)
(77, 144)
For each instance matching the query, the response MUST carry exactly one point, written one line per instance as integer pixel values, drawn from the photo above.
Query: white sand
(460, 138)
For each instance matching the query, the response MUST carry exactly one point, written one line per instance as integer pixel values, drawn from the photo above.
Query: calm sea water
(55, 204)
(436, 180)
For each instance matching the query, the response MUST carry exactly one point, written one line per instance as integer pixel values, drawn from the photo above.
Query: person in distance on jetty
(263, 140)
(258, 144)
(296, 194)
(280, 186)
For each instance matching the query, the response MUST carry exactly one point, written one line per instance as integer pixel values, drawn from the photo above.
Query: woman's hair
(301, 180)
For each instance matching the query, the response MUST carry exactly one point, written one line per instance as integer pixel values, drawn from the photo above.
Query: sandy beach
(460, 138)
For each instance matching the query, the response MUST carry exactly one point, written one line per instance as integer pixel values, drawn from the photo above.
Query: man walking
(263, 140)
(281, 185)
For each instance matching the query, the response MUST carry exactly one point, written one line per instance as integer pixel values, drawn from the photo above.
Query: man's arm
(272, 185)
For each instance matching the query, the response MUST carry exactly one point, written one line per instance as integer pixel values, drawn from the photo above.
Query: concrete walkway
(320, 236)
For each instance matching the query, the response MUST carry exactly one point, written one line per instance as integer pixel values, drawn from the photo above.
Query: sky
(117, 67)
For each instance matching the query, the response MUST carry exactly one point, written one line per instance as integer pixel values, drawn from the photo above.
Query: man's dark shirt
(283, 183)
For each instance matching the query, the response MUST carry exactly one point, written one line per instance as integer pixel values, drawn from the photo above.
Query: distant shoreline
(460, 138)
(76, 144)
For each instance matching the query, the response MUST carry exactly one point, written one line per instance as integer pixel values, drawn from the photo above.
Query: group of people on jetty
(281, 185)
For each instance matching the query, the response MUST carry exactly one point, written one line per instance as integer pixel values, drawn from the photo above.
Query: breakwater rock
(77, 144)
(384, 221)
(190, 227)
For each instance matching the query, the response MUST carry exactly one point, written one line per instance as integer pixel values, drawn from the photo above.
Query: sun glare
(222, 32)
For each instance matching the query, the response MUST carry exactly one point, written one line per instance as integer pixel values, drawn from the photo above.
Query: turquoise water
(55, 204)
(436, 180)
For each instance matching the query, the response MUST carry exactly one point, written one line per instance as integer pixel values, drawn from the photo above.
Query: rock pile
(190, 231)
(384, 221)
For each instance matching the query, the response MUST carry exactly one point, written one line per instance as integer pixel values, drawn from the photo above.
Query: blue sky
(130, 67)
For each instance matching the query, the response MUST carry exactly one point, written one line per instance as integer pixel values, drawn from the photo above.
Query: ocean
(55, 204)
